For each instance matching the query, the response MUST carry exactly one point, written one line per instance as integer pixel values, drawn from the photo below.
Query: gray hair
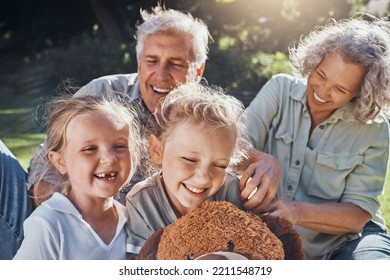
(359, 42)
(175, 23)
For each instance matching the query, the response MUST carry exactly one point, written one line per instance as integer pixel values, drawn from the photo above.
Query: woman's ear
(56, 159)
(155, 149)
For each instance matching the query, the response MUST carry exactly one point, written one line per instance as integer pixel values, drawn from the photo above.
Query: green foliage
(89, 56)
(236, 70)
(250, 36)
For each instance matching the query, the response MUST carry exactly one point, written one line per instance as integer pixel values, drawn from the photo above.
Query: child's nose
(203, 176)
(107, 158)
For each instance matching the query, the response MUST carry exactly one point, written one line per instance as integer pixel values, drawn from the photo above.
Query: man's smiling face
(163, 64)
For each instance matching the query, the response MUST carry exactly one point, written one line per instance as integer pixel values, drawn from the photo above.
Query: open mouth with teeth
(161, 90)
(318, 99)
(194, 189)
(106, 176)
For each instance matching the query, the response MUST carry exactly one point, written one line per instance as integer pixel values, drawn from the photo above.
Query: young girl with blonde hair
(195, 143)
(92, 143)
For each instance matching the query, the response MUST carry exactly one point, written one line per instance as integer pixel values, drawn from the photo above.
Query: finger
(265, 206)
(244, 179)
(251, 186)
(271, 184)
(258, 201)
(262, 201)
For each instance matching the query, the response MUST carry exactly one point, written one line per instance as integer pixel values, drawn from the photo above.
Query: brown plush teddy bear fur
(221, 226)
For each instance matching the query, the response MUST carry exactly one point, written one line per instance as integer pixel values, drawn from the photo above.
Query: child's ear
(56, 160)
(155, 149)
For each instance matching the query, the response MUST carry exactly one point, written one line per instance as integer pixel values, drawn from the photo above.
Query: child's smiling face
(96, 158)
(194, 159)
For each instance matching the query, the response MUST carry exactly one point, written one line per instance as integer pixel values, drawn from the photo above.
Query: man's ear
(155, 149)
(199, 71)
(56, 160)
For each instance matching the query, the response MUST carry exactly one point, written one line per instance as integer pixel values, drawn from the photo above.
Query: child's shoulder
(147, 188)
(231, 178)
(52, 211)
(143, 185)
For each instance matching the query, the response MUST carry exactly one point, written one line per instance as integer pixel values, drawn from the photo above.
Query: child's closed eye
(121, 146)
(89, 149)
(189, 159)
(222, 166)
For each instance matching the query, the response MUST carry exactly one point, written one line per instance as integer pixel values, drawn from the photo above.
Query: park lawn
(19, 126)
(23, 146)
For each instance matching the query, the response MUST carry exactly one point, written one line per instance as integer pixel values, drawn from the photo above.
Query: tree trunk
(106, 17)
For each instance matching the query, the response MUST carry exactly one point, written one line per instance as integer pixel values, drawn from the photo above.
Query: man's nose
(162, 71)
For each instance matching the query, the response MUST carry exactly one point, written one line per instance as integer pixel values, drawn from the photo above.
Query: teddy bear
(220, 230)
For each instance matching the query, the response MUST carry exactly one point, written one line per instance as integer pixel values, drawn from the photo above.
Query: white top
(56, 230)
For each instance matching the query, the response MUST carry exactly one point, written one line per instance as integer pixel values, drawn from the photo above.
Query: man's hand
(260, 181)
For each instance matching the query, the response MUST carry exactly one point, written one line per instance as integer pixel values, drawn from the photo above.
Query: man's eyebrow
(181, 59)
(151, 56)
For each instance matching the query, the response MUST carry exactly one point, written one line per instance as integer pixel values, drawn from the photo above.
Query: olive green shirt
(342, 160)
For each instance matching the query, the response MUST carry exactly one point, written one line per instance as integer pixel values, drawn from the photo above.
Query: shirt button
(321, 126)
(289, 188)
(297, 162)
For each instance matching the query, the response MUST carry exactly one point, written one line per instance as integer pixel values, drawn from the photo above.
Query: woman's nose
(323, 91)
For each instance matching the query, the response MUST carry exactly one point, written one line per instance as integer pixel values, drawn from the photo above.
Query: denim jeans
(374, 244)
(15, 203)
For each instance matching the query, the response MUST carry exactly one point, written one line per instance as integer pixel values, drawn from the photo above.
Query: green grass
(385, 200)
(19, 126)
(19, 131)
(23, 146)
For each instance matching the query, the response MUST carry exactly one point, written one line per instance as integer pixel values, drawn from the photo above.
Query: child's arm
(138, 229)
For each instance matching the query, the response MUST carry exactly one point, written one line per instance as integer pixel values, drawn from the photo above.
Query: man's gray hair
(175, 23)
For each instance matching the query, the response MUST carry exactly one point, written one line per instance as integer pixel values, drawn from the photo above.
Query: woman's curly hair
(359, 41)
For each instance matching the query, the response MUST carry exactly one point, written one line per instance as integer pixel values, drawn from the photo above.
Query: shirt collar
(134, 94)
(59, 202)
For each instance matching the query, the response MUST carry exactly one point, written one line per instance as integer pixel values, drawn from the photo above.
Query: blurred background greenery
(47, 45)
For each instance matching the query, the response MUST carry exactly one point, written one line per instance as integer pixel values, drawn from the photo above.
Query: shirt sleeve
(110, 85)
(230, 191)
(137, 228)
(367, 181)
(262, 111)
(39, 241)
(40, 169)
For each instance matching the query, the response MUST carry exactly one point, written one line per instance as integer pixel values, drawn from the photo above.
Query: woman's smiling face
(332, 84)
